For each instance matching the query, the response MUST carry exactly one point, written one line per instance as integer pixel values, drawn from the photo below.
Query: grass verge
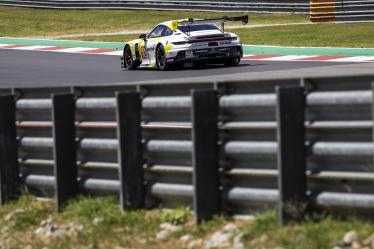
(23, 22)
(359, 35)
(92, 223)
(318, 233)
(98, 223)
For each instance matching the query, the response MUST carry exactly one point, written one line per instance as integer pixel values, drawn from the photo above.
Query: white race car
(184, 41)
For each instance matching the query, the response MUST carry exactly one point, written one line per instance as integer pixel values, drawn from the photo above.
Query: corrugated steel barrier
(341, 10)
(256, 130)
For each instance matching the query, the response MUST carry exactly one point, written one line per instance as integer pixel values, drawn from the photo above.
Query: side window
(167, 32)
(156, 32)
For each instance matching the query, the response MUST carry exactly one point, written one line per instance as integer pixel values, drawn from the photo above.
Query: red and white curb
(324, 58)
(102, 51)
(77, 50)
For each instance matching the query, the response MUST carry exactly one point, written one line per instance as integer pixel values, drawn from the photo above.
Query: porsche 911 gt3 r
(184, 41)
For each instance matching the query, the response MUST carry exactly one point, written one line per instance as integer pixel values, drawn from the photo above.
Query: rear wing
(191, 21)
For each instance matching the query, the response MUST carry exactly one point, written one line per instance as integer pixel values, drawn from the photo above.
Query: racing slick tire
(128, 60)
(161, 59)
(232, 61)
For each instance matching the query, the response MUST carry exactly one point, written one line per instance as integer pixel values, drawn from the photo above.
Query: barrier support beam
(372, 118)
(207, 194)
(130, 151)
(290, 115)
(9, 172)
(64, 150)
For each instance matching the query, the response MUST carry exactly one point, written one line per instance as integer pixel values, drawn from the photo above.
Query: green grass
(318, 35)
(177, 216)
(358, 35)
(321, 233)
(104, 226)
(105, 38)
(23, 22)
(23, 213)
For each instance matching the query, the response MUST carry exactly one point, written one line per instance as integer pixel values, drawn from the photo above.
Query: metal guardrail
(339, 153)
(270, 6)
(341, 11)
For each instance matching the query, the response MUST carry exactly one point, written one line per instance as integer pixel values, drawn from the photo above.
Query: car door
(143, 52)
(152, 40)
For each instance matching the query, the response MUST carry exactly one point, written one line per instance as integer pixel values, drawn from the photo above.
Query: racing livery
(184, 41)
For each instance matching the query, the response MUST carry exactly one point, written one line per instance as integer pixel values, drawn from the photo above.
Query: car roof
(169, 23)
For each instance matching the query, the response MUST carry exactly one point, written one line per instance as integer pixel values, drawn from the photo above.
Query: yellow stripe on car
(168, 48)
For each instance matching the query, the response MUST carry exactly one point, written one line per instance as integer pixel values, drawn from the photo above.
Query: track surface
(30, 69)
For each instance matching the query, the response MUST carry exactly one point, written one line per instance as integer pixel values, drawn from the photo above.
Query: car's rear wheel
(128, 60)
(232, 61)
(161, 59)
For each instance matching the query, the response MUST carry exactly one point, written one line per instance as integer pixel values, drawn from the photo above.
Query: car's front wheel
(232, 61)
(128, 59)
(161, 59)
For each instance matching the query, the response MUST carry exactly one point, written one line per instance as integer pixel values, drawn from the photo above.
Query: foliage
(105, 226)
(176, 216)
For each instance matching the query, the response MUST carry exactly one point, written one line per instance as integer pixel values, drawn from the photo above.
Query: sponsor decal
(144, 53)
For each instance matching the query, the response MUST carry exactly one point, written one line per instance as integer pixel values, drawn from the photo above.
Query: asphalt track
(34, 69)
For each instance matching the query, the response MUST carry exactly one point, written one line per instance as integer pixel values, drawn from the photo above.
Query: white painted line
(72, 50)
(289, 58)
(334, 60)
(118, 53)
(33, 47)
(354, 59)
(337, 48)
(308, 58)
(4, 45)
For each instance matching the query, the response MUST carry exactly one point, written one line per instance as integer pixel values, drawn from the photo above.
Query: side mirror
(143, 36)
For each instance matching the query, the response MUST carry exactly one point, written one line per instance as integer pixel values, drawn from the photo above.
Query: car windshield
(198, 27)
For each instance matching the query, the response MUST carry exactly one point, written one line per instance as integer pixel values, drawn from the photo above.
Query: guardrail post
(64, 150)
(372, 118)
(207, 195)
(9, 178)
(290, 114)
(130, 152)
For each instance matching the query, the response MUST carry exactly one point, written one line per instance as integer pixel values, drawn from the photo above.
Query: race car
(176, 42)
